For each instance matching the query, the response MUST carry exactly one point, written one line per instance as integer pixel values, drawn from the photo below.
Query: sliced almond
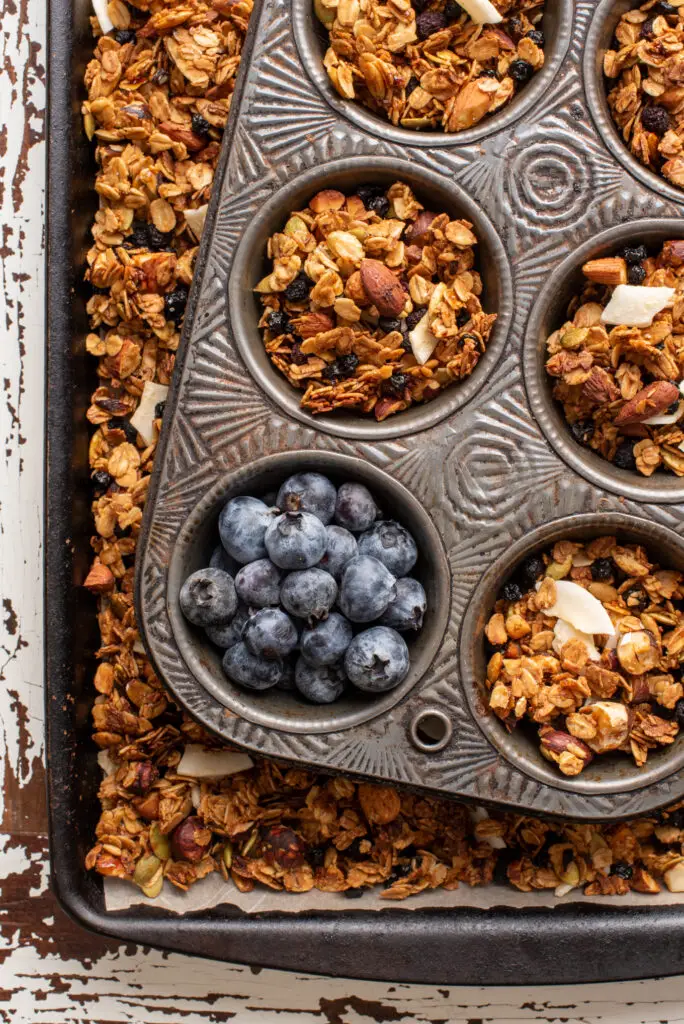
(635, 305)
(482, 12)
(581, 609)
(198, 763)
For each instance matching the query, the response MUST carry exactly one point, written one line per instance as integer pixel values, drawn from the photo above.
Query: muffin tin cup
(312, 42)
(600, 39)
(283, 710)
(607, 773)
(548, 314)
(250, 265)
(486, 463)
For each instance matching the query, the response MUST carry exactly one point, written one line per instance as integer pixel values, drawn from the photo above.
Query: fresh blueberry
(220, 559)
(355, 508)
(308, 492)
(391, 544)
(309, 594)
(242, 526)
(258, 583)
(407, 608)
(340, 548)
(366, 588)
(270, 633)
(287, 676)
(325, 643)
(249, 670)
(321, 684)
(377, 659)
(208, 597)
(296, 540)
(228, 636)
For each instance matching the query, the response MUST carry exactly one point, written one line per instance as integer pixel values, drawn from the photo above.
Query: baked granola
(586, 643)
(372, 302)
(619, 383)
(428, 65)
(264, 824)
(647, 101)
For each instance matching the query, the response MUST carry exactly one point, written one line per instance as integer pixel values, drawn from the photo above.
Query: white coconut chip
(635, 305)
(198, 763)
(674, 877)
(563, 889)
(102, 15)
(580, 559)
(581, 609)
(665, 417)
(423, 341)
(479, 814)
(482, 12)
(563, 631)
(195, 220)
(195, 795)
(143, 418)
(104, 759)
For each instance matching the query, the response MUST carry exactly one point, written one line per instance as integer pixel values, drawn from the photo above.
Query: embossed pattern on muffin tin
(485, 473)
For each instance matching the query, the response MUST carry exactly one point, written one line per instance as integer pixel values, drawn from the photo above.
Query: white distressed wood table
(50, 970)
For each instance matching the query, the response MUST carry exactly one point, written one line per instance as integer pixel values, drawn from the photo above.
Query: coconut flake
(581, 559)
(198, 763)
(482, 12)
(563, 889)
(195, 795)
(102, 15)
(665, 417)
(581, 609)
(674, 877)
(195, 220)
(143, 418)
(563, 632)
(635, 305)
(423, 341)
(104, 759)
(480, 814)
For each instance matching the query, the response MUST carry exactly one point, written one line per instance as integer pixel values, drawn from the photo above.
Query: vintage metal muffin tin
(484, 474)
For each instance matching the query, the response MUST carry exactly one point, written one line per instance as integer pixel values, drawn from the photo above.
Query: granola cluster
(647, 102)
(163, 820)
(586, 643)
(428, 65)
(372, 302)
(619, 383)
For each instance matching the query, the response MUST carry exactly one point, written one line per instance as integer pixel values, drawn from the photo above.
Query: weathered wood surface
(51, 971)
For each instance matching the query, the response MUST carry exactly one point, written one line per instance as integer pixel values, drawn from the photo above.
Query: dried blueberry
(520, 71)
(387, 325)
(415, 317)
(462, 317)
(278, 322)
(655, 119)
(200, 125)
(353, 894)
(317, 856)
(412, 84)
(298, 289)
(159, 410)
(342, 367)
(532, 568)
(138, 238)
(536, 36)
(298, 357)
(158, 240)
(160, 77)
(119, 423)
(624, 456)
(679, 712)
(511, 591)
(174, 305)
(452, 10)
(582, 431)
(367, 193)
(101, 479)
(395, 385)
(634, 254)
(430, 22)
(622, 869)
(124, 35)
(664, 9)
(488, 73)
(636, 598)
(636, 274)
(379, 205)
(602, 569)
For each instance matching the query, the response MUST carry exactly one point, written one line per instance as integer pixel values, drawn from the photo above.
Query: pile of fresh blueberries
(310, 593)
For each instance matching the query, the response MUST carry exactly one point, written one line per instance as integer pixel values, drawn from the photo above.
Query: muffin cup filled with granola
(574, 663)
(604, 362)
(631, 70)
(431, 73)
(370, 298)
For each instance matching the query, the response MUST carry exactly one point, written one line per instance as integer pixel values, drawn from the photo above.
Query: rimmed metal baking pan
(489, 459)
(501, 946)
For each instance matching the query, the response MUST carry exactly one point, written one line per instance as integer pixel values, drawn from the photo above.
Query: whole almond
(417, 232)
(612, 270)
(99, 579)
(311, 324)
(650, 401)
(383, 287)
